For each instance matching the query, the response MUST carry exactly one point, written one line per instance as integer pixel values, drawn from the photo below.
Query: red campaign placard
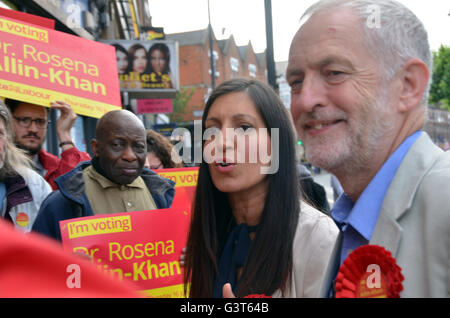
(28, 18)
(39, 65)
(143, 247)
(185, 184)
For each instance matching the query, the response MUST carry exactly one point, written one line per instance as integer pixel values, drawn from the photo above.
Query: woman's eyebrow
(246, 116)
(214, 119)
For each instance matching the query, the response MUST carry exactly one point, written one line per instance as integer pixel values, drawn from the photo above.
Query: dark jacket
(313, 193)
(70, 201)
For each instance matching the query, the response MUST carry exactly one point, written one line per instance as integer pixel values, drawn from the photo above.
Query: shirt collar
(39, 168)
(106, 183)
(363, 214)
(2, 192)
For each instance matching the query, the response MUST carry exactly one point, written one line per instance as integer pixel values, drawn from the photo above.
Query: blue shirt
(2, 196)
(357, 220)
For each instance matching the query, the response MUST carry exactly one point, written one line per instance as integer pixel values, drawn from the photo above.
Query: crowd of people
(359, 98)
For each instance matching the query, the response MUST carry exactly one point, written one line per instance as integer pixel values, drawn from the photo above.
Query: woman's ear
(94, 146)
(414, 79)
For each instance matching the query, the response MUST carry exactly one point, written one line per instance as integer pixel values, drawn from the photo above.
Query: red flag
(34, 266)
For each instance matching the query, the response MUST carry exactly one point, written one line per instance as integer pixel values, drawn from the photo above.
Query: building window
(216, 58)
(252, 70)
(234, 64)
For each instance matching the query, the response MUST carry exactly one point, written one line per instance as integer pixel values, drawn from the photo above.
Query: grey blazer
(316, 250)
(414, 221)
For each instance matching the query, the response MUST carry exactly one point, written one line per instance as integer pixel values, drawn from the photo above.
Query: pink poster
(154, 106)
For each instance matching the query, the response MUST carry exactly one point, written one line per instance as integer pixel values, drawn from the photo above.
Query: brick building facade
(231, 61)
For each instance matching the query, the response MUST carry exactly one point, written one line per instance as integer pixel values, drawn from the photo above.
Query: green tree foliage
(180, 103)
(440, 88)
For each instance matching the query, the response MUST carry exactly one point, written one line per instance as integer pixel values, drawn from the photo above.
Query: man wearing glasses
(30, 127)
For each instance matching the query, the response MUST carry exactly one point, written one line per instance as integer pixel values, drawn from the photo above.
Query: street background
(323, 178)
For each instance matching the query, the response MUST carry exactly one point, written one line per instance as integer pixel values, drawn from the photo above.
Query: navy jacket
(70, 201)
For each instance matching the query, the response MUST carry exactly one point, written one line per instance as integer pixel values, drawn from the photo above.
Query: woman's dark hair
(269, 259)
(132, 50)
(120, 48)
(164, 50)
(162, 148)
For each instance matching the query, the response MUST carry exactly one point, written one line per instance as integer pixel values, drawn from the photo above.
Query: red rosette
(370, 271)
(257, 296)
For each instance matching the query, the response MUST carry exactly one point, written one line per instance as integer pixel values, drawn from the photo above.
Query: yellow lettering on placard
(42, 96)
(55, 60)
(182, 178)
(120, 252)
(23, 30)
(174, 291)
(114, 224)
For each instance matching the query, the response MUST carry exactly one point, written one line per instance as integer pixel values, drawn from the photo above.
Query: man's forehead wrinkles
(124, 135)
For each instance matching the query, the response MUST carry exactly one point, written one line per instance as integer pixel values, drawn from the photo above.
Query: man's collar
(363, 215)
(38, 166)
(106, 183)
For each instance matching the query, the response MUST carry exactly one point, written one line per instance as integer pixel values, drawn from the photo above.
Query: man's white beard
(360, 145)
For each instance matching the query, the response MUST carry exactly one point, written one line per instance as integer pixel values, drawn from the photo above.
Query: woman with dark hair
(138, 76)
(159, 69)
(159, 152)
(138, 58)
(248, 228)
(123, 63)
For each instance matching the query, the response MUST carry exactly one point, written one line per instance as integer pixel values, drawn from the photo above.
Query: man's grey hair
(397, 35)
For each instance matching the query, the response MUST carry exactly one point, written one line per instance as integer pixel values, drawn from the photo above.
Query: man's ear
(94, 146)
(414, 79)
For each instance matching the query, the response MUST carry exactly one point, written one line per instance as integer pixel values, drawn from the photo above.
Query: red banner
(28, 18)
(185, 184)
(40, 65)
(143, 247)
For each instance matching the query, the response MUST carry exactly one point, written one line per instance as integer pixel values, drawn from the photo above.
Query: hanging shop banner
(39, 66)
(143, 247)
(185, 183)
(146, 66)
(154, 33)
